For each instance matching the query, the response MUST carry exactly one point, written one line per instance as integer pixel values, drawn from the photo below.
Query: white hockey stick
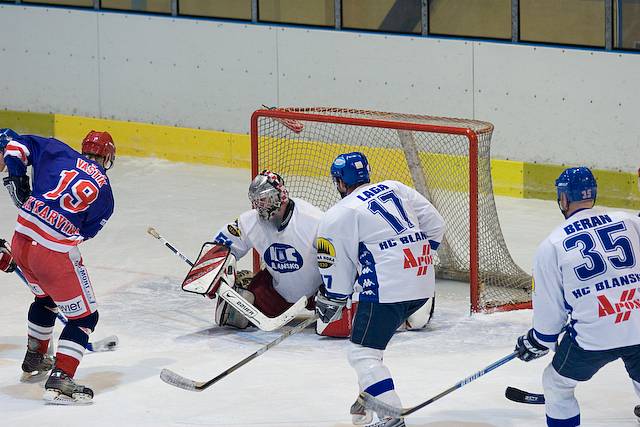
(237, 301)
(177, 380)
(383, 409)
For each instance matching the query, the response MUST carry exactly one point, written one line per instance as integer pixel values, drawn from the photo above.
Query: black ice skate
(389, 422)
(360, 415)
(636, 411)
(60, 389)
(35, 366)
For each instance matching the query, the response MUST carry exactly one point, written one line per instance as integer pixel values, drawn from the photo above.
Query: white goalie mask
(267, 193)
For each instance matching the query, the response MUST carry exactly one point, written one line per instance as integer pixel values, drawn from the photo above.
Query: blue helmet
(7, 135)
(351, 168)
(578, 184)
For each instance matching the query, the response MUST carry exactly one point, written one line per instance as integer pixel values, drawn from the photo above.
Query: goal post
(445, 159)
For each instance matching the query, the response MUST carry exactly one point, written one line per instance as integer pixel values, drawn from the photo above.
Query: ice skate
(636, 411)
(35, 365)
(60, 389)
(389, 422)
(360, 415)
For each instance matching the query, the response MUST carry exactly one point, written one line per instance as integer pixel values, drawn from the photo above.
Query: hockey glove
(18, 188)
(6, 260)
(328, 308)
(529, 348)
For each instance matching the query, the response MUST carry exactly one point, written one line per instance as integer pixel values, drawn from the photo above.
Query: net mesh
(435, 163)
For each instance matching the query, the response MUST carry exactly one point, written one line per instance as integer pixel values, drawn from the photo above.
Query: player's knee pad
(340, 328)
(226, 315)
(559, 395)
(87, 323)
(43, 311)
(363, 357)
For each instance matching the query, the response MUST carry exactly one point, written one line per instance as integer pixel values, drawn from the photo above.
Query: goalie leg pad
(226, 315)
(420, 318)
(340, 328)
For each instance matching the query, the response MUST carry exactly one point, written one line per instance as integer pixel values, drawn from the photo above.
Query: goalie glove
(329, 308)
(18, 188)
(529, 348)
(6, 260)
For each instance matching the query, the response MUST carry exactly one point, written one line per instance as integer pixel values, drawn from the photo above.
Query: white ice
(306, 380)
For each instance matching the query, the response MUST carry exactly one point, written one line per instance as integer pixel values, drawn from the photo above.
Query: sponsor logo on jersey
(283, 258)
(234, 229)
(326, 253)
(73, 307)
(629, 301)
(421, 262)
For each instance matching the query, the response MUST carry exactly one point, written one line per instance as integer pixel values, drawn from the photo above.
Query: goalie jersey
(587, 272)
(71, 197)
(289, 255)
(384, 234)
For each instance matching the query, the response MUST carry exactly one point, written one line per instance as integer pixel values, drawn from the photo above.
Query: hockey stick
(238, 302)
(521, 396)
(177, 380)
(385, 410)
(109, 343)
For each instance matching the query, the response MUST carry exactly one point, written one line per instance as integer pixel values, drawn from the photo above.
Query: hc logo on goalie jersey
(283, 258)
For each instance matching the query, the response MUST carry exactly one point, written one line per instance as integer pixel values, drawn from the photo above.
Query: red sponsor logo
(622, 309)
(421, 262)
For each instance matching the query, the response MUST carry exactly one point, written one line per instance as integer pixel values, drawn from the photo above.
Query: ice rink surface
(305, 381)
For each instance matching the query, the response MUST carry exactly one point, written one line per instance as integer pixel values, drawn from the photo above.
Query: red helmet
(100, 144)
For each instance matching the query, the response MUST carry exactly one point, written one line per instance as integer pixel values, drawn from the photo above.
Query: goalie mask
(267, 194)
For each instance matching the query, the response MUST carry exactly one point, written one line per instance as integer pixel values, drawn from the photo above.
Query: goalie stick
(385, 410)
(521, 396)
(109, 343)
(177, 380)
(238, 302)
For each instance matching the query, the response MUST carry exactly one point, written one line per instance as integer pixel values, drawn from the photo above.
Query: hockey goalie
(282, 230)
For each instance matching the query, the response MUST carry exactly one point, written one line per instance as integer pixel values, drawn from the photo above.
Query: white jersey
(289, 254)
(588, 272)
(384, 234)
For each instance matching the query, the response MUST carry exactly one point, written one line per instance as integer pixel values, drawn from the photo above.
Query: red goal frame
(467, 132)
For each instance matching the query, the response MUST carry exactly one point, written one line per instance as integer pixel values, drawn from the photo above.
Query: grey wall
(549, 105)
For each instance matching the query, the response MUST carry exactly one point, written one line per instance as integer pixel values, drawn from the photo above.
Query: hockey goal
(445, 159)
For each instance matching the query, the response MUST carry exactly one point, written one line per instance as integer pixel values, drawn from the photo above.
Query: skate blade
(54, 397)
(33, 377)
(362, 419)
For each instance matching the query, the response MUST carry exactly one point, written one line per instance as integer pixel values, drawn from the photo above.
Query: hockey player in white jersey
(282, 230)
(382, 237)
(587, 277)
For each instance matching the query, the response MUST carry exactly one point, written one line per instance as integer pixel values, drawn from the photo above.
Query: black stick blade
(522, 396)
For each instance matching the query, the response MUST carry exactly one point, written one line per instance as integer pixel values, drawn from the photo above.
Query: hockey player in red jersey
(70, 201)
(282, 229)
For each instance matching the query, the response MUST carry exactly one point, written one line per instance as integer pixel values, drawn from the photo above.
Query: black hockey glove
(6, 260)
(18, 188)
(329, 308)
(529, 348)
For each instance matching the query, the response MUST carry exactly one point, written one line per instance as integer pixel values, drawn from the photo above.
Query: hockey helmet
(577, 184)
(267, 193)
(100, 144)
(7, 135)
(351, 168)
